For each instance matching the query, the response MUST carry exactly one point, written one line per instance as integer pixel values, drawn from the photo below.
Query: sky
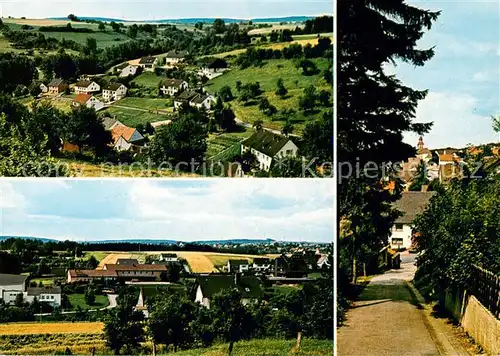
(166, 9)
(183, 210)
(463, 78)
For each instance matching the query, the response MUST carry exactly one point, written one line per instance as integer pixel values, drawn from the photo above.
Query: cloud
(455, 118)
(10, 198)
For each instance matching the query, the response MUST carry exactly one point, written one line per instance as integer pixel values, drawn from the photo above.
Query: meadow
(217, 144)
(131, 116)
(267, 76)
(101, 301)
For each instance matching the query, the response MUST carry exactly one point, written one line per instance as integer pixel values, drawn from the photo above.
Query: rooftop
(249, 286)
(412, 204)
(266, 142)
(11, 279)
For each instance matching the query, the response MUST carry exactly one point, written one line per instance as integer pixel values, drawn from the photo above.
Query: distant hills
(151, 241)
(198, 19)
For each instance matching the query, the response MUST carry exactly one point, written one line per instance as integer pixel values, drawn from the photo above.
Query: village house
(44, 89)
(194, 99)
(261, 264)
(267, 147)
(174, 57)
(87, 100)
(126, 70)
(136, 271)
(12, 285)
(173, 86)
(114, 91)
(127, 138)
(212, 68)
(75, 276)
(208, 286)
(323, 262)
(57, 86)
(410, 205)
(168, 257)
(86, 87)
(237, 266)
(109, 123)
(148, 63)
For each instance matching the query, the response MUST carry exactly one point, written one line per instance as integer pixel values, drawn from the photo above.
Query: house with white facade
(212, 67)
(168, 257)
(411, 204)
(207, 286)
(174, 57)
(173, 86)
(268, 147)
(261, 264)
(49, 295)
(114, 92)
(12, 285)
(194, 99)
(127, 138)
(86, 87)
(237, 266)
(148, 63)
(44, 88)
(126, 70)
(87, 100)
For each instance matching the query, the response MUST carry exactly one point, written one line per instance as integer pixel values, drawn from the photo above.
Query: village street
(388, 320)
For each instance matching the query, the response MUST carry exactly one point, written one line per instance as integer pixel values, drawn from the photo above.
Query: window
(398, 227)
(396, 241)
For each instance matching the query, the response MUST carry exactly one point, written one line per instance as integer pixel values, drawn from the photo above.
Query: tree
(183, 141)
(225, 93)
(374, 110)
(307, 102)
(123, 329)
(51, 121)
(231, 317)
(225, 118)
(496, 124)
(85, 129)
(258, 125)
(102, 26)
(281, 91)
(420, 179)
(89, 296)
(115, 26)
(132, 31)
(34, 89)
(72, 17)
(308, 67)
(318, 138)
(219, 26)
(247, 160)
(170, 321)
(92, 262)
(90, 46)
(324, 97)
(287, 128)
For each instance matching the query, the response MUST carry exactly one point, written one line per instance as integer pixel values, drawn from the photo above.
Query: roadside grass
(101, 301)
(267, 76)
(267, 347)
(132, 117)
(78, 168)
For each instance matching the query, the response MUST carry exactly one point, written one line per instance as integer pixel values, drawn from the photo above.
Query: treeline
(67, 28)
(176, 321)
(320, 24)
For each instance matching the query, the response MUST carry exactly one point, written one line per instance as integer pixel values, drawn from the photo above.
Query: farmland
(267, 76)
(199, 262)
(132, 117)
(50, 328)
(217, 143)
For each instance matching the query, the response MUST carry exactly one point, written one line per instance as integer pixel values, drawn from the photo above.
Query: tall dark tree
(374, 111)
(123, 329)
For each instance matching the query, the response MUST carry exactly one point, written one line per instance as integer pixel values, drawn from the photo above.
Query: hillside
(267, 75)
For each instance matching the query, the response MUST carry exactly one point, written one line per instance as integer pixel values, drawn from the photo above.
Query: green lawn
(148, 79)
(45, 281)
(147, 103)
(132, 118)
(99, 256)
(267, 347)
(101, 301)
(267, 76)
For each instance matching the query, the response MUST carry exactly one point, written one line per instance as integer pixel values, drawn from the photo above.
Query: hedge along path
(51, 328)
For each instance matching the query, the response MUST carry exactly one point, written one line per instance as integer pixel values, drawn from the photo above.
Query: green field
(99, 256)
(101, 301)
(148, 79)
(47, 282)
(147, 103)
(132, 117)
(267, 76)
(267, 347)
(217, 143)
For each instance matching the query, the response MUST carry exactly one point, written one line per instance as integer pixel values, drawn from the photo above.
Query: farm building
(174, 57)
(136, 271)
(114, 91)
(57, 86)
(88, 275)
(261, 264)
(213, 67)
(148, 63)
(50, 295)
(267, 147)
(173, 86)
(208, 286)
(168, 257)
(12, 285)
(87, 100)
(86, 87)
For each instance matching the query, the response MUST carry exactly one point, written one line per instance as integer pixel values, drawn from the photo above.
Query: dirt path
(387, 319)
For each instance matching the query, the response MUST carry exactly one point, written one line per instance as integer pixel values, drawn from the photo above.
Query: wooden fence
(486, 288)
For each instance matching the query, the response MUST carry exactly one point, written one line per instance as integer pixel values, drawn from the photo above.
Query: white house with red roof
(87, 100)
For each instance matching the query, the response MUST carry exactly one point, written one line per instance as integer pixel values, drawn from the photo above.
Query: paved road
(387, 320)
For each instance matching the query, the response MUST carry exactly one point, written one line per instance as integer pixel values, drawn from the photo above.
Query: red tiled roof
(135, 267)
(82, 98)
(86, 273)
(123, 131)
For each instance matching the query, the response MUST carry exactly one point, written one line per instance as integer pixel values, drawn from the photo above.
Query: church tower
(420, 144)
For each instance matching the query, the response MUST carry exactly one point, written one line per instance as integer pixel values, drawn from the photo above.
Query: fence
(486, 288)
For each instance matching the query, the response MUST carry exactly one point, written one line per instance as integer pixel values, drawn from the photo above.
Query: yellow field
(199, 262)
(37, 22)
(50, 328)
(266, 30)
